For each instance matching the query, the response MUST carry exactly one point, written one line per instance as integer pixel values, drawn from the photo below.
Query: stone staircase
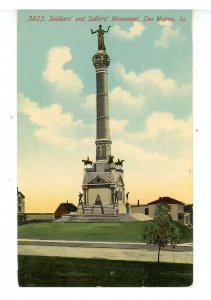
(126, 218)
(93, 218)
(103, 218)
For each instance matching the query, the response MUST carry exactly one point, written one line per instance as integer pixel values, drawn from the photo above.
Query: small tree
(163, 230)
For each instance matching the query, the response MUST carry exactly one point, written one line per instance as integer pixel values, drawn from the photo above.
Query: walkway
(105, 250)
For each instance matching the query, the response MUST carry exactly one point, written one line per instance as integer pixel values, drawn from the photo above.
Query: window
(104, 151)
(98, 152)
(146, 211)
(101, 152)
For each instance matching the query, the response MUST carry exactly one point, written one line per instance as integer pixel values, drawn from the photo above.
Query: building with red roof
(176, 209)
(64, 209)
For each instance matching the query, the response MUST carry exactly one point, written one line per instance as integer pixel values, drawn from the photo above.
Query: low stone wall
(39, 216)
(138, 209)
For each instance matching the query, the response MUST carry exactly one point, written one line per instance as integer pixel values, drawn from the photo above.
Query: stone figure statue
(127, 195)
(87, 161)
(110, 159)
(116, 196)
(119, 163)
(100, 31)
(98, 200)
(80, 196)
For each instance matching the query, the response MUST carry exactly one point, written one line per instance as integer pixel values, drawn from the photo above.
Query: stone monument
(103, 185)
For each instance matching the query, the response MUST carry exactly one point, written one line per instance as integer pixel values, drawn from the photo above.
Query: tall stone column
(101, 62)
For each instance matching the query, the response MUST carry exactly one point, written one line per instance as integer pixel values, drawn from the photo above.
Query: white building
(176, 209)
(21, 202)
(21, 206)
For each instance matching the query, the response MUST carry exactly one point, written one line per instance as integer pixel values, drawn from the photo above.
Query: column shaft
(101, 62)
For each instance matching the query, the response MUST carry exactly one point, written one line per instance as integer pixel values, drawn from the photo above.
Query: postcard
(105, 148)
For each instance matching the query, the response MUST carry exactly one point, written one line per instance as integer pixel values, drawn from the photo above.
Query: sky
(150, 103)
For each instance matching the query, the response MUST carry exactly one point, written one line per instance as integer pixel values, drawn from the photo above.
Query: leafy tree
(163, 230)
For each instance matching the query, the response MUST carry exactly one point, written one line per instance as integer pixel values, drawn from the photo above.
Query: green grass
(128, 232)
(186, 234)
(38, 271)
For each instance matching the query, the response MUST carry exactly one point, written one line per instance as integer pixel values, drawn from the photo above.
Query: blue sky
(150, 98)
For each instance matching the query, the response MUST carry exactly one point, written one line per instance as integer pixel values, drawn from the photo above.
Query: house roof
(68, 206)
(166, 200)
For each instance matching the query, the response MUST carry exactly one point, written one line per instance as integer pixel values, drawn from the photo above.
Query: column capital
(101, 60)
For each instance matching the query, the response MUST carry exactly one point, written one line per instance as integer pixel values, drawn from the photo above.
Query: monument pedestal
(80, 209)
(110, 209)
(88, 209)
(97, 209)
(122, 208)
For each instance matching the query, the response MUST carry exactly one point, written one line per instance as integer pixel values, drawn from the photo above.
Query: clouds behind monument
(147, 87)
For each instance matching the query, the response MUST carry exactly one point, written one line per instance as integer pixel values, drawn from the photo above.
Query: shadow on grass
(38, 271)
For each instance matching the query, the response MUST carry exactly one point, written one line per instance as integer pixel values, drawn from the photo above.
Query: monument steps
(93, 218)
(101, 218)
(127, 218)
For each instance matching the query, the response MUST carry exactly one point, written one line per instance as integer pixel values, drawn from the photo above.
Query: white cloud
(150, 175)
(124, 98)
(165, 135)
(159, 91)
(65, 80)
(133, 32)
(90, 102)
(165, 121)
(118, 125)
(56, 127)
(168, 36)
(147, 80)
(117, 96)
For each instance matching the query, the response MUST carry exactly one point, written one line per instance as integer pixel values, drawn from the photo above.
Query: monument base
(88, 209)
(98, 209)
(110, 209)
(121, 208)
(80, 209)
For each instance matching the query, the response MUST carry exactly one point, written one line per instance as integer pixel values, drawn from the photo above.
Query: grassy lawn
(38, 271)
(131, 231)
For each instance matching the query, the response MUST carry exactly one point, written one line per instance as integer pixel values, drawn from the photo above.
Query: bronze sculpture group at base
(98, 200)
